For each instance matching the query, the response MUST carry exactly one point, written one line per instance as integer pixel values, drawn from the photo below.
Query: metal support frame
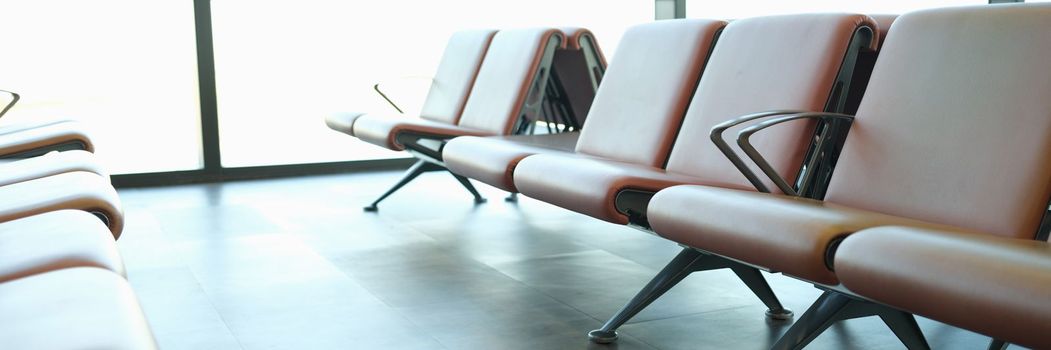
(687, 262)
(832, 307)
(997, 344)
(428, 147)
(376, 87)
(633, 203)
(423, 166)
(813, 177)
(556, 112)
(1044, 230)
(14, 100)
(596, 67)
(428, 151)
(537, 96)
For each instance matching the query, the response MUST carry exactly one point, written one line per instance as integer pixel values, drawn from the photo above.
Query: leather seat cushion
(56, 240)
(589, 185)
(74, 190)
(492, 160)
(383, 130)
(78, 308)
(785, 234)
(994, 285)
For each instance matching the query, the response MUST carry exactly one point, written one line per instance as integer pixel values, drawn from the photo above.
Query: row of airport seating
(490, 83)
(901, 171)
(62, 280)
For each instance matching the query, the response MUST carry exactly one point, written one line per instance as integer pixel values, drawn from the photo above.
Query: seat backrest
(866, 60)
(955, 126)
(767, 63)
(455, 76)
(644, 94)
(517, 62)
(575, 75)
(579, 38)
(884, 22)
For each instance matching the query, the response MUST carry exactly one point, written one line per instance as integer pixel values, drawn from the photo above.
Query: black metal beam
(258, 172)
(202, 10)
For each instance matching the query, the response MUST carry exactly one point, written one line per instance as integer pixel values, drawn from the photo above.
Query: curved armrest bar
(376, 87)
(378, 91)
(14, 99)
(717, 138)
(745, 135)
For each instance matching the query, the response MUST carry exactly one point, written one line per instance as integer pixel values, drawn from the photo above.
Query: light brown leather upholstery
(35, 136)
(643, 96)
(384, 131)
(492, 160)
(984, 115)
(786, 234)
(743, 80)
(590, 185)
(74, 190)
(662, 78)
(884, 22)
(992, 285)
(343, 121)
(49, 164)
(455, 76)
(450, 85)
(499, 94)
(954, 130)
(574, 35)
(743, 77)
(56, 240)
(73, 309)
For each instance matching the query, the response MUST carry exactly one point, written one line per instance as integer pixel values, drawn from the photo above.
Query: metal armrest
(378, 91)
(717, 137)
(14, 99)
(745, 135)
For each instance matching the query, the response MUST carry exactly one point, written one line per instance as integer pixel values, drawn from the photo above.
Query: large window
(127, 68)
(281, 67)
(730, 9)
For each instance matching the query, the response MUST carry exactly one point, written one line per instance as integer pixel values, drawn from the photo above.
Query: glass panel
(281, 67)
(730, 9)
(127, 68)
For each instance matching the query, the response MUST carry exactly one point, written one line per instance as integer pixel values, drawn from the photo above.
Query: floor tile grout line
(389, 306)
(211, 303)
(561, 302)
(558, 300)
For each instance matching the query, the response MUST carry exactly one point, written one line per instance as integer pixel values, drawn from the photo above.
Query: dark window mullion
(206, 84)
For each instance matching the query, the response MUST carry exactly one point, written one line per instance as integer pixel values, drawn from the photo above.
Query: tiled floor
(296, 264)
